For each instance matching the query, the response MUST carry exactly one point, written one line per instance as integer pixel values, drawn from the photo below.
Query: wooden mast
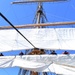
(39, 17)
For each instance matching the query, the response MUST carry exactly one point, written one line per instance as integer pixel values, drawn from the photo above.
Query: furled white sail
(59, 64)
(46, 38)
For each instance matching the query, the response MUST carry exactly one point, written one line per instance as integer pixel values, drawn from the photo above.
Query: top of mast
(40, 17)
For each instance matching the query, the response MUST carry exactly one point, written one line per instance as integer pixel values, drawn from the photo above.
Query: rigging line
(66, 67)
(5, 71)
(59, 17)
(48, 64)
(16, 29)
(73, 6)
(19, 71)
(54, 70)
(58, 35)
(7, 10)
(20, 43)
(24, 71)
(17, 20)
(7, 44)
(58, 38)
(10, 44)
(49, 69)
(11, 60)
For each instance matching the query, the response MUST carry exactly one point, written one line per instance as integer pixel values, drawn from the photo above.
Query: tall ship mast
(39, 42)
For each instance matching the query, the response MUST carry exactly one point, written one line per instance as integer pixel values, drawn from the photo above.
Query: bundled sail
(41, 63)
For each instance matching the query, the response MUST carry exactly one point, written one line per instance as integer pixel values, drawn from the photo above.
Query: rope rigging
(15, 28)
(23, 37)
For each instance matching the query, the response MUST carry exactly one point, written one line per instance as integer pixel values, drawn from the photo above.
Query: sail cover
(46, 38)
(59, 64)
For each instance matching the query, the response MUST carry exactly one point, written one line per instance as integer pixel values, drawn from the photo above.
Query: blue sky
(24, 14)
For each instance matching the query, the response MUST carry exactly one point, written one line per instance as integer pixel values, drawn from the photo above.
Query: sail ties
(15, 28)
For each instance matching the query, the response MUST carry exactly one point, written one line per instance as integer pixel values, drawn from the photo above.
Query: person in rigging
(53, 52)
(1, 54)
(65, 52)
(21, 53)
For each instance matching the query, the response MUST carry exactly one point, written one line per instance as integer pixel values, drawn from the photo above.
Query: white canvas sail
(9, 41)
(43, 38)
(46, 38)
(41, 63)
